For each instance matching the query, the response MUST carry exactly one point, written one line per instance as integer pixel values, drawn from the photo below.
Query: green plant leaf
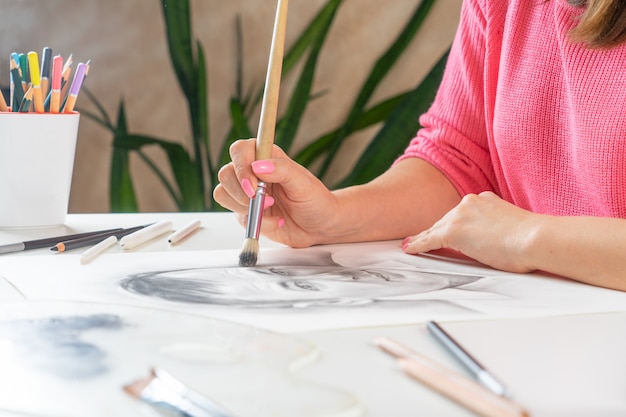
(103, 119)
(191, 74)
(240, 129)
(191, 196)
(301, 95)
(121, 191)
(371, 117)
(309, 35)
(177, 16)
(401, 126)
(199, 111)
(378, 73)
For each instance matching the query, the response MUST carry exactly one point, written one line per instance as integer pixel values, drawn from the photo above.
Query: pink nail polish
(247, 187)
(281, 223)
(263, 167)
(269, 202)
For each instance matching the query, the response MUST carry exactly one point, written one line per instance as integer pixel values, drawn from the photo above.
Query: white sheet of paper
(297, 290)
(73, 359)
(8, 292)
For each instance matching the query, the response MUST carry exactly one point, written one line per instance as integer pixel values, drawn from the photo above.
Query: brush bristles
(249, 253)
(136, 388)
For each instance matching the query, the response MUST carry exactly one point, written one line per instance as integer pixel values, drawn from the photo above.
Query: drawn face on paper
(314, 280)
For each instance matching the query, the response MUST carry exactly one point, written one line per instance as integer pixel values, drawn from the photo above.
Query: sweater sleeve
(454, 133)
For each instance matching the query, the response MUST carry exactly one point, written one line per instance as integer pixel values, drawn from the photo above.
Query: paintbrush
(265, 135)
(163, 391)
(462, 390)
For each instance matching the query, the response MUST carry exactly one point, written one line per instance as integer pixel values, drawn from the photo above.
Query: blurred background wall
(126, 44)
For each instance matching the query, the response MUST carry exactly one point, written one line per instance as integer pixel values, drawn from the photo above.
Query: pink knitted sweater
(524, 112)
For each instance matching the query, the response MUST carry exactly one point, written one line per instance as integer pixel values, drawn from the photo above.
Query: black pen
(47, 242)
(483, 376)
(81, 242)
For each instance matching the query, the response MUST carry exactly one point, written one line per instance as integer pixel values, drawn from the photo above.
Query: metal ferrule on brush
(255, 212)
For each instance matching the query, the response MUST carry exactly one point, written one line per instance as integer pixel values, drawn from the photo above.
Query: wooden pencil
(57, 76)
(46, 67)
(265, 135)
(35, 77)
(18, 90)
(3, 103)
(25, 104)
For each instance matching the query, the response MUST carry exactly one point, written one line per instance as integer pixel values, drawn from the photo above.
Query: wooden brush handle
(269, 106)
(462, 390)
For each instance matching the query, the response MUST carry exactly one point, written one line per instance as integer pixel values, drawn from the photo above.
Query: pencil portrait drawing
(315, 279)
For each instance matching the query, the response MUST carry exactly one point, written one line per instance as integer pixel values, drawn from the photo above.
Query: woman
(520, 164)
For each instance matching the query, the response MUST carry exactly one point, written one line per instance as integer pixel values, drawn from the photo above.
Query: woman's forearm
(506, 237)
(587, 249)
(406, 199)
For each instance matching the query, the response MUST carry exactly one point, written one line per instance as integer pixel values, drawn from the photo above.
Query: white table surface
(565, 366)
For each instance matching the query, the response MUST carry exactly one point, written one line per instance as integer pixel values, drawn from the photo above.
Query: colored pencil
(35, 77)
(65, 79)
(46, 70)
(47, 242)
(18, 91)
(25, 104)
(55, 92)
(24, 72)
(75, 88)
(46, 87)
(3, 103)
(81, 242)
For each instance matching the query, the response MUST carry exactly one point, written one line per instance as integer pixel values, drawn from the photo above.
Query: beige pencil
(183, 232)
(265, 135)
(91, 253)
(144, 235)
(464, 391)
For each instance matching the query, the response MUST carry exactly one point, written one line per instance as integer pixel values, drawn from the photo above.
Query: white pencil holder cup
(36, 165)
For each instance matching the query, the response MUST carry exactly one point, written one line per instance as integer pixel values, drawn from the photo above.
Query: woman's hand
(299, 207)
(485, 228)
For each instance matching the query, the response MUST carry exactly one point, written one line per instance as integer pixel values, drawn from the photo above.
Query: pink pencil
(57, 74)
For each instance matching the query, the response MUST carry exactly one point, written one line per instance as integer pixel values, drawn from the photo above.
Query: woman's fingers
(229, 192)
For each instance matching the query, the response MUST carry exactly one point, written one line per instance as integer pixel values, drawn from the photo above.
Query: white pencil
(182, 233)
(147, 233)
(91, 253)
